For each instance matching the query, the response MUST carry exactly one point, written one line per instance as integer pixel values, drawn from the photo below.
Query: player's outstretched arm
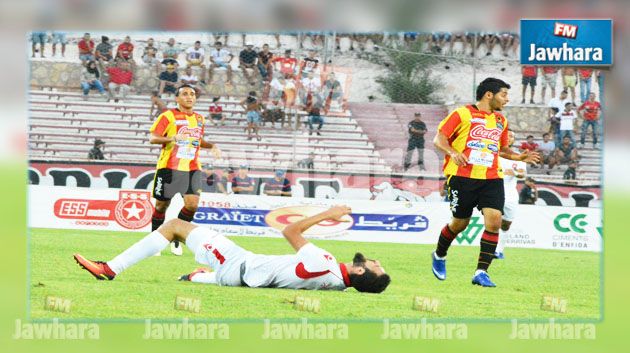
(293, 232)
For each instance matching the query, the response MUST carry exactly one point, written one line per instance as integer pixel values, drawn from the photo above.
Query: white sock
(501, 243)
(204, 277)
(478, 272)
(437, 257)
(145, 247)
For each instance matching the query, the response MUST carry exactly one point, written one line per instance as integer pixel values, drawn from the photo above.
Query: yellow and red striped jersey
(182, 155)
(479, 136)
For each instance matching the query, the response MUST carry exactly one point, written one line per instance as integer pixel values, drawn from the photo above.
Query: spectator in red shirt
(529, 78)
(125, 51)
(550, 77)
(529, 144)
(86, 49)
(591, 110)
(216, 112)
(585, 76)
(287, 63)
(120, 77)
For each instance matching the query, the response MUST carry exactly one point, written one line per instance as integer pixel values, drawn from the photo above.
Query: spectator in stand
(489, 39)
(571, 172)
(195, 56)
(220, 57)
(216, 112)
(86, 49)
(287, 63)
(273, 113)
(103, 51)
(124, 52)
(265, 63)
(170, 53)
(437, 41)
(529, 144)
(276, 88)
(91, 79)
(149, 55)
(417, 129)
(506, 41)
(332, 89)
(550, 76)
(309, 64)
(558, 103)
(157, 105)
(252, 108)
(566, 152)
(189, 78)
(96, 152)
(530, 74)
(278, 185)
(529, 192)
(248, 59)
(554, 124)
(59, 38)
(585, 75)
(567, 122)
(41, 38)
(307, 163)
(317, 38)
(361, 39)
(569, 81)
(289, 92)
(315, 117)
(169, 80)
(311, 85)
(242, 183)
(460, 37)
(120, 78)
(590, 113)
(547, 149)
(214, 183)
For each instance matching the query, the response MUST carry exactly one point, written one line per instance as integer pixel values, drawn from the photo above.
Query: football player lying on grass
(309, 268)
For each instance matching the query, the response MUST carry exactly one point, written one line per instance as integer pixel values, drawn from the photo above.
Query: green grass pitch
(149, 289)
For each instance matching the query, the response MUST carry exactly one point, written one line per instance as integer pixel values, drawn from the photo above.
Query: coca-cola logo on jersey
(191, 132)
(480, 132)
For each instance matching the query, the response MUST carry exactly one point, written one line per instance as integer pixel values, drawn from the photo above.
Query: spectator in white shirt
(220, 57)
(195, 56)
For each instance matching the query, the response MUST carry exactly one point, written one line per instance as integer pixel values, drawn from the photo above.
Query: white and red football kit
(310, 268)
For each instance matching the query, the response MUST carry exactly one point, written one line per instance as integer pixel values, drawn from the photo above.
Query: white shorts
(218, 252)
(509, 210)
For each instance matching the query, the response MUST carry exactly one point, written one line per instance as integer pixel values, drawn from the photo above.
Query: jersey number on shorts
(215, 252)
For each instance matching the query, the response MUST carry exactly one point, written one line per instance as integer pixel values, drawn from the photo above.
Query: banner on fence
(564, 228)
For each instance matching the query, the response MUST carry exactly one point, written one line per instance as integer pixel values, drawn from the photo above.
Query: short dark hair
(555, 109)
(197, 42)
(545, 134)
(369, 282)
(184, 86)
(155, 93)
(567, 103)
(528, 136)
(217, 42)
(492, 85)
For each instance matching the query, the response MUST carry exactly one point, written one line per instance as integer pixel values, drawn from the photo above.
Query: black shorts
(168, 183)
(466, 193)
(529, 81)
